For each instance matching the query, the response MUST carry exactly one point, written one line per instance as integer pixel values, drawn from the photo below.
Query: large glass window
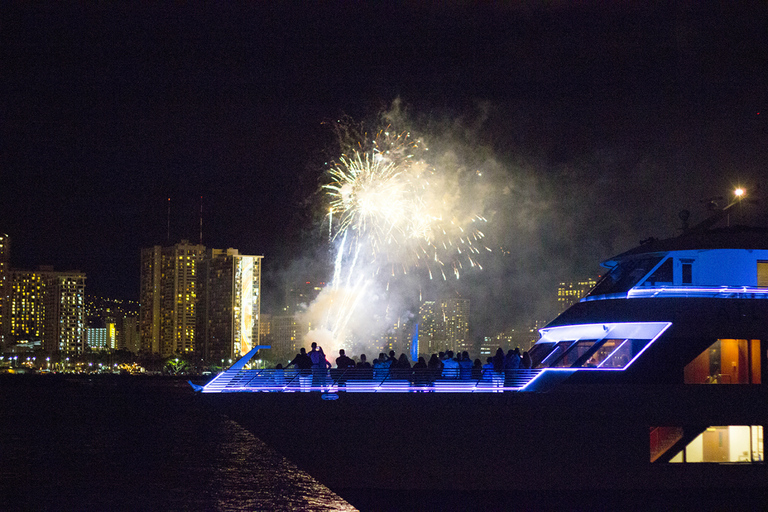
(662, 275)
(625, 352)
(726, 361)
(625, 275)
(539, 352)
(553, 356)
(574, 353)
(725, 444)
(664, 438)
(602, 353)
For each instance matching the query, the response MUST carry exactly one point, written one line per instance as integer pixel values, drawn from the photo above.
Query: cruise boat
(653, 382)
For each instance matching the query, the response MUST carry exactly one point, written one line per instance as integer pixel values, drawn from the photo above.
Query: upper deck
(727, 263)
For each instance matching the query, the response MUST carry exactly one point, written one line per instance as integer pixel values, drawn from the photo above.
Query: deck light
(739, 192)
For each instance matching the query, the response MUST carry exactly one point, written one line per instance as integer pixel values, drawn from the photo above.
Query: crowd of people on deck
(444, 365)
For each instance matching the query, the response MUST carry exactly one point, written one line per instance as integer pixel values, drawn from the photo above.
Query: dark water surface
(134, 443)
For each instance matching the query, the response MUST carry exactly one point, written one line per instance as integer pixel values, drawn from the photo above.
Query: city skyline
(217, 302)
(592, 128)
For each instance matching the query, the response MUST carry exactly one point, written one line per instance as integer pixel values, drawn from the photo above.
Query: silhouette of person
(343, 361)
(303, 362)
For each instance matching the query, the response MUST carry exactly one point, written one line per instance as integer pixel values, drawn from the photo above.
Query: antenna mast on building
(201, 220)
(168, 238)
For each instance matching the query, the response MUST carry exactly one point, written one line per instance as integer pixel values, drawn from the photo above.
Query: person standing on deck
(314, 355)
(450, 366)
(343, 361)
(303, 362)
(465, 366)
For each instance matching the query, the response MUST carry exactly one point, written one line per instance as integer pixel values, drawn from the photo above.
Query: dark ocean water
(145, 444)
(134, 443)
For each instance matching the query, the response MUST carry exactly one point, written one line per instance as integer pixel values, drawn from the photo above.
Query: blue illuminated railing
(720, 292)
(715, 292)
(357, 380)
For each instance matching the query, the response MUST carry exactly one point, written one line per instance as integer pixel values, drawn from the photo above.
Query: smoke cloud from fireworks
(394, 214)
(549, 220)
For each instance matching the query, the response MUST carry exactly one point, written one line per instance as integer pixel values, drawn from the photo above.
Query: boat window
(627, 350)
(539, 352)
(725, 444)
(687, 272)
(726, 361)
(556, 353)
(625, 275)
(762, 274)
(662, 275)
(601, 354)
(574, 353)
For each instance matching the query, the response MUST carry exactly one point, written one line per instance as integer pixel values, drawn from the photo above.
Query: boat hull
(590, 437)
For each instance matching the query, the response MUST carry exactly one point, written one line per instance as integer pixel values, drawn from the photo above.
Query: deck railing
(370, 380)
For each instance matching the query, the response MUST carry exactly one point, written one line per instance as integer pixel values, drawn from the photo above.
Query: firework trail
(392, 212)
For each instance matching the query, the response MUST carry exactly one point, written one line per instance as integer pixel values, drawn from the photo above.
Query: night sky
(599, 124)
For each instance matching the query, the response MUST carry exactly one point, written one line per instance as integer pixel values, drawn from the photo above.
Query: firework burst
(400, 208)
(391, 211)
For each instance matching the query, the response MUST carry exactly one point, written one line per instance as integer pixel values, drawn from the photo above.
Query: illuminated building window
(726, 361)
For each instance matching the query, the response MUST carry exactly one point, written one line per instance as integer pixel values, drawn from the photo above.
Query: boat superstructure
(654, 379)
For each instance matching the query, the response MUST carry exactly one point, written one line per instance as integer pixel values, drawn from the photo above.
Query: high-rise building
(128, 337)
(456, 318)
(65, 312)
(265, 329)
(26, 305)
(5, 257)
(149, 299)
(569, 294)
(287, 336)
(444, 325)
(47, 310)
(300, 296)
(430, 335)
(96, 338)
(198, 301)
(230, 305)
(169, 297)
(400, 338)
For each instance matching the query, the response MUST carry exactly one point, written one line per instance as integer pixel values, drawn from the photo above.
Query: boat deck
(364, 380)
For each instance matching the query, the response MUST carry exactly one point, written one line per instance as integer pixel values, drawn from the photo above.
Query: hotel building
(287, 336)
(5, 253)
(198, 301)
(169, 293)
(230, 306)
(443, 325)
(569, 294)
(64, 312)
(46, 310)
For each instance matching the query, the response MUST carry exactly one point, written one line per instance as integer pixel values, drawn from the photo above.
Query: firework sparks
(390, 212)
(390, 199)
